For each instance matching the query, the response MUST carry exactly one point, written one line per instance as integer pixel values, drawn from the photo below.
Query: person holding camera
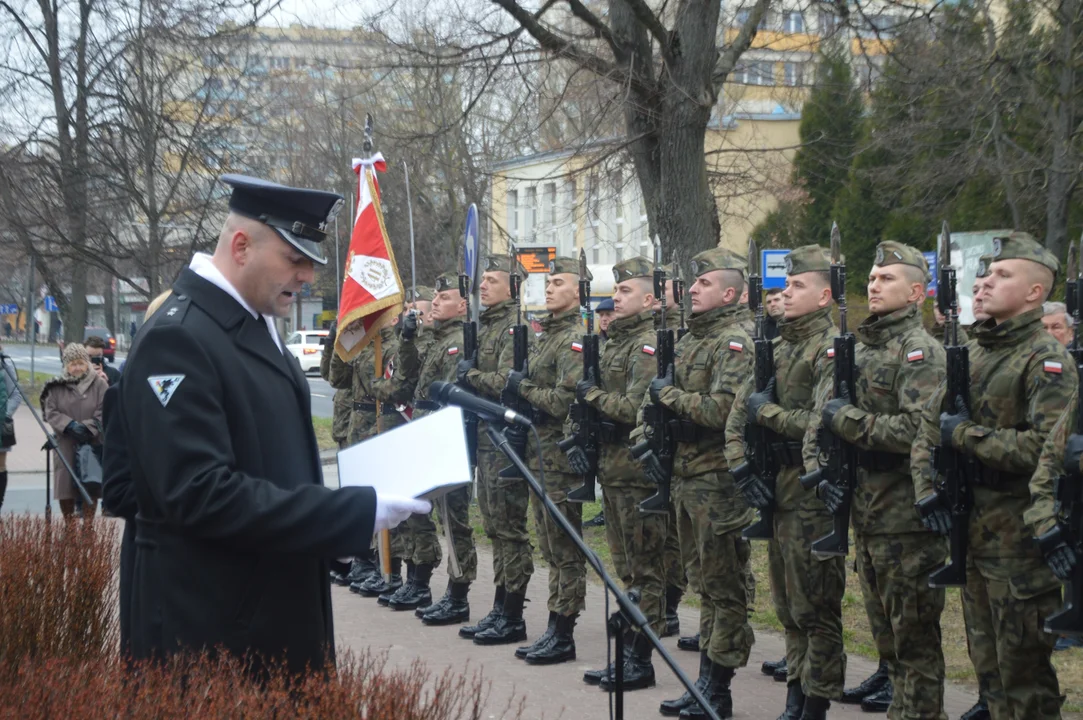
(71, 404)
(95, 348)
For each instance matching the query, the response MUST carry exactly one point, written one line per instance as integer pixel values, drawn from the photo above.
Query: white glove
(394, 509)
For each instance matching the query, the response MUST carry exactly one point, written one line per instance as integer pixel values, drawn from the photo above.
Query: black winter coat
(235, 530)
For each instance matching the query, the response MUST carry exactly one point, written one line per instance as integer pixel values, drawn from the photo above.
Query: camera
(98, 360)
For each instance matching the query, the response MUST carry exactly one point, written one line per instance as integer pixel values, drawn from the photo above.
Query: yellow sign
(535, 259)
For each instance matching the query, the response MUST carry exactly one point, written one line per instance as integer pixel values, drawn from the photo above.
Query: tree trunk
(1062, 175)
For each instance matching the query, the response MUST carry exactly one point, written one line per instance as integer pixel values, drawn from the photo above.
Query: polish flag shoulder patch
(577, 346)
(831, 353)
(736, 346)
(648, 349)
(511, 331)
(915, 355)
(1052, 366)
(453, 351)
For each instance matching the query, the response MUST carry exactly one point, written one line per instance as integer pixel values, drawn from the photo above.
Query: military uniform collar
(701, 324)
(553, 321)
(805, 326)
(500, 309)
(1011, 331)
(387, 332)
(203, 265)
(878, 329)
(621, 327)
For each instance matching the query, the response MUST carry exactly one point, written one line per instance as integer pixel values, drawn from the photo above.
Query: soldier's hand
(756, 492)
(515, 378)
(332, 332)
(461, 370)
(409, 325)
(1059, 554)
(757, 400)
(585, 385)
(950, 421)
(659, 383)
(834, 406)
(577, 458)
(1073, 451)
(934, 515)
(652, 468)
(831, 495)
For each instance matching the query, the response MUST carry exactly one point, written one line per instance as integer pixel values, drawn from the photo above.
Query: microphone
(451, 394)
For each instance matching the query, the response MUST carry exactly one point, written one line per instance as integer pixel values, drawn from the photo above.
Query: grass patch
(33, 387)
(322, 426)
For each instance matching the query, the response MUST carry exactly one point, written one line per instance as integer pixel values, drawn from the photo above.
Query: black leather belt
(877, 461)
(389, 409)
(427, 405)
(364, 407)
(788, 453)
(612, 432)
(686, 431)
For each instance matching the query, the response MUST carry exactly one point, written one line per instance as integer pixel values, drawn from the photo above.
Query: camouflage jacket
(1042, 514)
(495, 356)
(803, 358)
(556, 364)
(747, 322)
(394, 389)
(938, 333)
(899, 366)
(627, 367)
(1020, 381)
(350, 376)
(343, 401)
(433, 359)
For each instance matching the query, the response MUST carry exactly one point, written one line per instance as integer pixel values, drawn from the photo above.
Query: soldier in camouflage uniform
(899, 365)
(710, 363)
(437, 361)
(555, 365)
(1021, 379)
(504, 502)
(636, 541)
(811, 609)
(340, 418)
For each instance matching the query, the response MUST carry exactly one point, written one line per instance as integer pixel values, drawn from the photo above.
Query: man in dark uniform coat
(235, 530)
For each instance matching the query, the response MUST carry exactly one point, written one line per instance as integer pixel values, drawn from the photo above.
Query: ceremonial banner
(372, 291)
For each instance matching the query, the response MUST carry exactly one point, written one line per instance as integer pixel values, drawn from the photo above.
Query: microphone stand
(629, 610)
(8, 364)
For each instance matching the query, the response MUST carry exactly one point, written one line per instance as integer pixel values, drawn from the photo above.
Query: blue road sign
(471, 247)
(930, 258)
(50, 304)
(773, 268)
(9, 309)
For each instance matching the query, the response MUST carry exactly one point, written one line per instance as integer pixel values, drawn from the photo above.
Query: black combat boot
(673, 621)
(596, 521)
(815, 708)
(422, 610)
(561, 645)
(879, 702)
(872, 684)
(770, 667)
(522, 652)
(717, 693)
(689, 643)
(510, 627)
(419, 595)
(795, 702)
(360, 569)
(406, 589)
(782, 673)
(672, 708)
(375, 585)
(980, 711)
(594, 677)
(638, 669)
(455, 610)
(486, 622)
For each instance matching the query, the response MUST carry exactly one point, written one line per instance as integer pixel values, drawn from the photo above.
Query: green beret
(423, 293)
(983, 266)
(1023, 246)
(561, 265)
(636, 267)
(890, 252)
(717, 259)
(501, 263)
(810, 258)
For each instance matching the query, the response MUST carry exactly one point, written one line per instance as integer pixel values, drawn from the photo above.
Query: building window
(513, 212)
(740, 18)
(755, 73)
(619, 254)
(530, 220)
(549, 198)
(829, 22)
(793, 22)
(794, 74)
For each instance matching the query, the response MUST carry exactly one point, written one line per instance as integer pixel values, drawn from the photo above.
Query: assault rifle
(1069, 487)
(584, 417)
(838, 458)
(953, 469)
(658, 419)
(517, 436)
(469, 287)
(678, 297)
(760, 460)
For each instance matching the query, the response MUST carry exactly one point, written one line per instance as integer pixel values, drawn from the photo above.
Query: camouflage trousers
(674, 560)
(812, 610)
(1005, 603)
(421, 543)
(716, 560)
(904, 615)
(567, 566)
(462, 533)
(362, 426)
(504, 505)
(776, 581)
(636, 543)
(401, 547)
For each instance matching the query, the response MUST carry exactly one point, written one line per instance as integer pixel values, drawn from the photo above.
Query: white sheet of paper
(424, 458)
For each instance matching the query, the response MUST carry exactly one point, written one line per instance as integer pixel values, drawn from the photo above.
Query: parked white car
(306, 346)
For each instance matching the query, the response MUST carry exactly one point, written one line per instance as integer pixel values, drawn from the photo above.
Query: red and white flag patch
(736, 346)
(511, 331)
(915, 355)
(453, 351)
(578, 347)
(831, 352)
(1052, 366)
(648, 349)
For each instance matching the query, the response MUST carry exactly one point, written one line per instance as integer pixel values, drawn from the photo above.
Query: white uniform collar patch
(164, 386)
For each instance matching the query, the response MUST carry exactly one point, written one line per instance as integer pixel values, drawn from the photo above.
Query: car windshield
(294, 339)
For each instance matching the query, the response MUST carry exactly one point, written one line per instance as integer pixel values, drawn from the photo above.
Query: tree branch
(650, 21)
(728, 60)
